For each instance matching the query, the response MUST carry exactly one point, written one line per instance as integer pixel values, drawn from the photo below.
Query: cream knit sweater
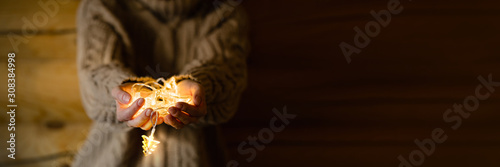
(186, 39)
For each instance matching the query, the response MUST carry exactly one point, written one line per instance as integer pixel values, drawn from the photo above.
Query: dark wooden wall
(396, 90)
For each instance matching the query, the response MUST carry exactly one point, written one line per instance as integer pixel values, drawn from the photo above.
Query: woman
(204, 47)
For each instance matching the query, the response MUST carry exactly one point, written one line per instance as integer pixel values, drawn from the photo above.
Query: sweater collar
(167, 9)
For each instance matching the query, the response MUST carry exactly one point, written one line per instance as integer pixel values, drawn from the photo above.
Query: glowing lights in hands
(158, 95)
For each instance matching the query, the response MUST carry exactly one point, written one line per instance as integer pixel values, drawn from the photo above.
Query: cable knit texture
(186, 39)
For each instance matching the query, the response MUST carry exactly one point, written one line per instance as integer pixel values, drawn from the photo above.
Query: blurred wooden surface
(50, 119)
(359, 114)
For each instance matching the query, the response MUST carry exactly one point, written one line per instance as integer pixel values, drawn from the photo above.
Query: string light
(149, 143)
(158, 95)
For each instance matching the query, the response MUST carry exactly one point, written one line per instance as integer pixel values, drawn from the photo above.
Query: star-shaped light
(149, 144)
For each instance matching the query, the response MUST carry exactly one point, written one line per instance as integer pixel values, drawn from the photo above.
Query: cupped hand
(186, 113)
(127, 111)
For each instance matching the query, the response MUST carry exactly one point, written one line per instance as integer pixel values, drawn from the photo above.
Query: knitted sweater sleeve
(220, 66)
(99, 66)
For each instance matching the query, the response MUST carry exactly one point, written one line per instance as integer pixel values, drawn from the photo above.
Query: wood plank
(43, 46)
(348, 146)
(46, 89)
(304, 135)
(425, 28)
(352, 156)
(13, 12)
(35, 140)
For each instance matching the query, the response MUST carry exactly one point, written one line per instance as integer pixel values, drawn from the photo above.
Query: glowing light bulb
(159, 95)
(149, 144)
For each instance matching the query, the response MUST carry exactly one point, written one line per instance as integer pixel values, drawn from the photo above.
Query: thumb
(198, 95)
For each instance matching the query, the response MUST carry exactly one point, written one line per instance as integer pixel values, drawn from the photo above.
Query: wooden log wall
(49, 119)
(367, 112)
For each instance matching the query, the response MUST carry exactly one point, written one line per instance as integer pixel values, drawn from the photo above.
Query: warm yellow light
(159, 95)
(149, 144)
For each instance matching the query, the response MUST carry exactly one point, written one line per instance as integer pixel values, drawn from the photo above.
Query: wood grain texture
(37, 142)
(13, 12)
(50, 122)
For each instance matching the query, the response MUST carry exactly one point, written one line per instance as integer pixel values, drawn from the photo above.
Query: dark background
(396, 90)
